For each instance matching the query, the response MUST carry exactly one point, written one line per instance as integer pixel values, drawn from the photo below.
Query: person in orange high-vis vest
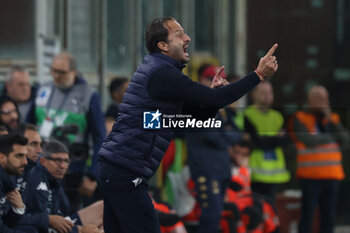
(255, 214)
(318, 136)
(169, 221)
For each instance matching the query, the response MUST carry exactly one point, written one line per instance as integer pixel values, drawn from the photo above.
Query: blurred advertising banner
(47, 48)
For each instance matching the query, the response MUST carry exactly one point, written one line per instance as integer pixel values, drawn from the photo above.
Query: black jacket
(8, 218)
(44, 197)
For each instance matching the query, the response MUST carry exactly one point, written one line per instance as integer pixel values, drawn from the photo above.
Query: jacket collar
(170, 60)
(6, 183)
(54, 182)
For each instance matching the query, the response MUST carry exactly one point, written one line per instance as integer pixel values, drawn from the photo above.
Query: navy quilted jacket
(128, 145)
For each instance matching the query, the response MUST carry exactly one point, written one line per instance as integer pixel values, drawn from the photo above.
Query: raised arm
(171, 84)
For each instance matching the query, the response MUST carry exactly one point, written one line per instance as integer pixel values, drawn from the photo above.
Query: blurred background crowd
(73, 97)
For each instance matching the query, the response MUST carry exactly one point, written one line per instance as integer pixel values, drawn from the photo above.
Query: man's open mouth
(185, 49)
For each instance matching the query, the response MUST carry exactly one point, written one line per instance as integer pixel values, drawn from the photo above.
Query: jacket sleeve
(9, 221)
(340, 134)
(36, 213)
(309, 139)
(96, 125)
(178, 87)
(264, 142)
(37, 220)
(5, 229)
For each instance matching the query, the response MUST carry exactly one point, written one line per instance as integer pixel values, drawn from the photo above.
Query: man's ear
(163, 46)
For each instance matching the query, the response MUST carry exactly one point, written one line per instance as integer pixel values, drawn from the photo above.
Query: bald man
(318, 136)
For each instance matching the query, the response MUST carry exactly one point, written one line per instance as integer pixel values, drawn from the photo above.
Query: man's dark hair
(8, 140)
(117, 83)
(53, 147)
(157, 32)
(22, 128)
(4, 99)
(245, 143)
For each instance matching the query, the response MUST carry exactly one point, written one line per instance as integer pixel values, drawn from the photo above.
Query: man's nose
(55, 75)
(64, 165)
(14, 114)
(187, 38)
(25, 161)
(38, 149)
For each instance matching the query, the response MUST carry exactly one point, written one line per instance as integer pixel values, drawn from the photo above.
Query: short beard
(13, 171)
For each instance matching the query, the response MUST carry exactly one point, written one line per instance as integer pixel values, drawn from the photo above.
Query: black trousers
(323, 193)
(127, 208)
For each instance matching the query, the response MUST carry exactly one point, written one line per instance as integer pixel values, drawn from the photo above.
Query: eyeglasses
(59, 160)
(7, 111)
(59, 72)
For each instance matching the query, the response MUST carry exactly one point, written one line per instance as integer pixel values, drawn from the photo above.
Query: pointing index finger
(219, 71)
(272, 50)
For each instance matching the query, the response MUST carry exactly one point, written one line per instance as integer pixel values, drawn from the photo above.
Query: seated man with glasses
(46, 202)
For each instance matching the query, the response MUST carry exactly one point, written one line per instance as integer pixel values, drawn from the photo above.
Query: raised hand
(268, 64)
(219, 81)
(15, 198)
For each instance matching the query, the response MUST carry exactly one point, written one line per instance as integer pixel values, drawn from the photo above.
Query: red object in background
(289, 212)
(210, 72)
(168, 158)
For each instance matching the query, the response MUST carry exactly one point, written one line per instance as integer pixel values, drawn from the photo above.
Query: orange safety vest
(242, 198)
(322, 161)
(225, 224)
(271, 221)
(165, 209)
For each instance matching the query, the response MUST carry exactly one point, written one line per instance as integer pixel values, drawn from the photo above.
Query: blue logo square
(270, 155)
(151, 120)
